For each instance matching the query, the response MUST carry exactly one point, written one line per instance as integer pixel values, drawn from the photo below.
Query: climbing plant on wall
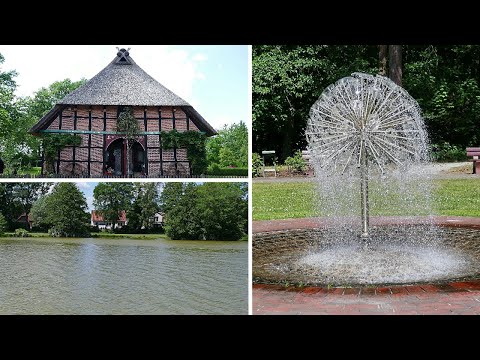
(53, 143)
(128, 125)
(194, 142)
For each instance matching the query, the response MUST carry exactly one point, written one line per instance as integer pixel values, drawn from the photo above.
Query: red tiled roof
(96, 217)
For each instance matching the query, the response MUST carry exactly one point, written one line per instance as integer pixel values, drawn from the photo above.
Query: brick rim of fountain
(261, 226)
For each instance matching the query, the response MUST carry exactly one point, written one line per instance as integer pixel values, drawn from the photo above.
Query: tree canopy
(211, 211)
(18, 148)
(110, 199)
(288, 79)
(229, 147)
(63, 211)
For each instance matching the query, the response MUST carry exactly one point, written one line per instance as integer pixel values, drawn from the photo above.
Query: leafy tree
(229, 147)
(144, 207)
(170, 197)
(128, 125)
(21, 149)
(17, 198)
(288, 79)
(64, 211)
(211, 211)
(110, 199)
(38, 214)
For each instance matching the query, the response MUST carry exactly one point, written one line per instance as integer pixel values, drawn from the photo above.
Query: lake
(111, 276)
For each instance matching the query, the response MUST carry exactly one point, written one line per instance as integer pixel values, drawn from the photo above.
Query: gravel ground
(457, 170)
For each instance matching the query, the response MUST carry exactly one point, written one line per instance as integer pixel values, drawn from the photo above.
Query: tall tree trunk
(395, 64)
(382, 59)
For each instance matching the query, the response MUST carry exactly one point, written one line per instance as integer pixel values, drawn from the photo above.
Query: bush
(21, 233)
(216, 170)
(448, 153)
(296, 162)
(257, 164)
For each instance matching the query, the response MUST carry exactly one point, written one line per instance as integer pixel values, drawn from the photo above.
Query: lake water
(106, 276)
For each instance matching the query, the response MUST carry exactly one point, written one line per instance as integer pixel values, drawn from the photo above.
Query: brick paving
(457, 298)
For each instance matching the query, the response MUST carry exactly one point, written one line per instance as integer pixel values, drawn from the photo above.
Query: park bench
(474, 152)
(307, 157)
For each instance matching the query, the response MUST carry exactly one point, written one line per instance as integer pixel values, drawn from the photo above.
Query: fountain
(369, 148)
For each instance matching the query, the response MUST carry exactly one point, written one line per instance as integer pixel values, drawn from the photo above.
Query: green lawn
(277, 200)
(104, 235)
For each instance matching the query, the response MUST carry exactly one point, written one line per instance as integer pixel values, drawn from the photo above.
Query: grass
(283, 200)
(102, 235)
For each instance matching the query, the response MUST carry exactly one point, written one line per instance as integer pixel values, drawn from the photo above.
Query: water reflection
(98, 276)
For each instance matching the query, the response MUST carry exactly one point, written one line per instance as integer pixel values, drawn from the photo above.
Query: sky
(87, 189)
(213, 78)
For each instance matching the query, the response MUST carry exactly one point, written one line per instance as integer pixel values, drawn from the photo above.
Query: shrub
(216, 170)
(257, 164)
(21, 233)
(446, 152)
(296, 162)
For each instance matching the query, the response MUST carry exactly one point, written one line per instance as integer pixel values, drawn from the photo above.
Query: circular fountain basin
(297, 252)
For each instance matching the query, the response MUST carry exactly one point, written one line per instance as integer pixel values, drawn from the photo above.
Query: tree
(110, 199)
(382, 59)
(38, 214)
(171, 195)
(127, 124)
(17, 198)
(288, 79)
(20, 148)
(395, 64)
(229, 147)
(144, 207)
(64, 211)
(211, 211)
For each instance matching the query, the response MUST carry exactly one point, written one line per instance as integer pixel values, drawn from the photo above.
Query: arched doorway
(116, 160)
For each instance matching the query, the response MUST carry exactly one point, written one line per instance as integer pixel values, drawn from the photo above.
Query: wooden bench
(474, 152)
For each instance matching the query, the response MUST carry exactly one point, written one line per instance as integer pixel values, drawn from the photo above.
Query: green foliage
(18, 198)
(194, 142)
(53, 143)
(229, 147)
(144, 207)
(21, 233)
(110, 199)
(64, 211)
(3, 224)
(288, 79)
(128, 125)
(19, 149)
(211, 211)
(296, 162)
(216, 170)
(257, 164)
(448, 153)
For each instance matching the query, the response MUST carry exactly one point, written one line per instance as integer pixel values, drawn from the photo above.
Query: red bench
(474, 152)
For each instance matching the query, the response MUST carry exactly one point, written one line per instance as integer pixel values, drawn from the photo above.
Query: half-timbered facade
(91, 112)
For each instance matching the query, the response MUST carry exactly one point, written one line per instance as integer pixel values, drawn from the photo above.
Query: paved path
(437, 170)
(458, 298)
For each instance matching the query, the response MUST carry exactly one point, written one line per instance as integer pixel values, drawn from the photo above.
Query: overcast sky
(213, 79)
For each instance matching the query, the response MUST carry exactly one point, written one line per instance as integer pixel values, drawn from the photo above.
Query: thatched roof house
(91, 111)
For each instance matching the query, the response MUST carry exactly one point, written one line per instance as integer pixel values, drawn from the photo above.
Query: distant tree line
(209, 211)
(288, 79)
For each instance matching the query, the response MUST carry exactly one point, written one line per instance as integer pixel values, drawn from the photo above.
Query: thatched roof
(123, 82)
